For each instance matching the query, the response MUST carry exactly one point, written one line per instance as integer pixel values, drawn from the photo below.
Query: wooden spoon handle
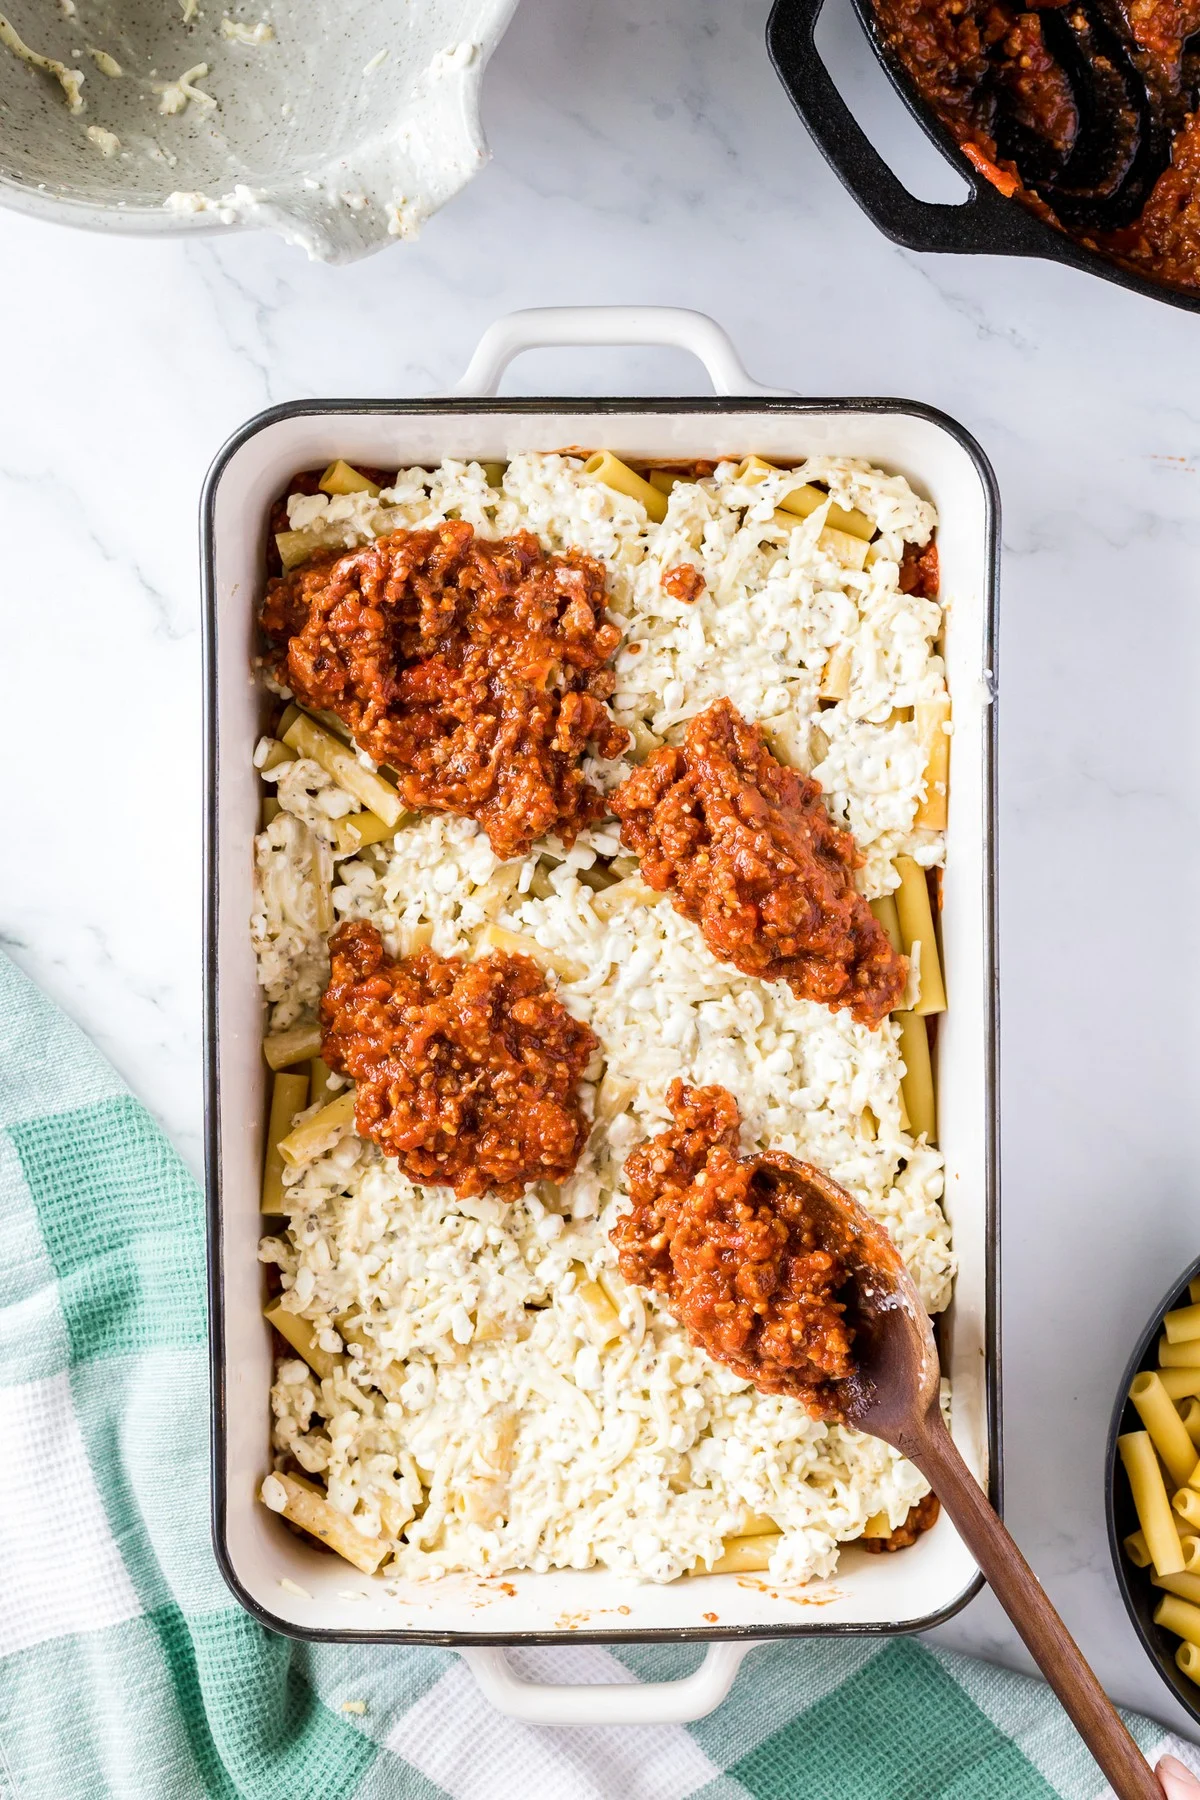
(1021, 1595)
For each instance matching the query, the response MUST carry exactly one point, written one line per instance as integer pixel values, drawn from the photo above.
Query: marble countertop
(650, 155)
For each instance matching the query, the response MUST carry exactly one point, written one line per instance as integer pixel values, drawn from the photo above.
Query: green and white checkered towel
(127, 1669)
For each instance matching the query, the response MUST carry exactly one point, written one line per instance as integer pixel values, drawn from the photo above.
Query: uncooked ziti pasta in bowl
(1154, 1490)
(595, 911)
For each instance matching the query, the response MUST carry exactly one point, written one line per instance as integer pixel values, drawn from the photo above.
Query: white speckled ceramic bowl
(345, 126)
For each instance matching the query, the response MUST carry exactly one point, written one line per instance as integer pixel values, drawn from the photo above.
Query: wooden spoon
(894, 1396)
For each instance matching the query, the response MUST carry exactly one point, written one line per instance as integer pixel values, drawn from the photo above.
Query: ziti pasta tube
(1167, 1434)
(309, 739)
(1190, 1414)
(516, 943)
(299, 1043)
(884, 909)
(613, 473)
(302, 1337)
(319, 1088)
(306, 1506)
(742, 1555)
(805, 499)
(612, 1099)
(1183, 1325)
(1187, 1587)
(357, 830)
(1179, 1616)
(756, 1525)
(320, 1133)
(852, 552)
(1180, 1384)
(340, 478)
(288, 1097)
(933, 729)
(1150, 1502)
(275, 756)
(295, 547)
(632, 891)
(835, 681)
(917, 934)
(916, 1084)
(603, 1320)
(753, 469)
(843, 546)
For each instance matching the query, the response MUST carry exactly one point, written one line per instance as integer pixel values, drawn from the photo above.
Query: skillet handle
(540, 326)
(613, 1703)
(985, 222)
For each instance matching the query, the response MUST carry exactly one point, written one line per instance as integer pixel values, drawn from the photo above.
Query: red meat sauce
(684, 582)
(732, 1247)
(919, 571)
(476, 670)
(1165, 240)
(1085, 113)
(746, 849)
(466, 1073)
(921, 1517)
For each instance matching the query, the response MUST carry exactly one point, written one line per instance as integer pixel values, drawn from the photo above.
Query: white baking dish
(868, 1594)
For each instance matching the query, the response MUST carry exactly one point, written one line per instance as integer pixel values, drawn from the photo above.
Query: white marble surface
(650, 154)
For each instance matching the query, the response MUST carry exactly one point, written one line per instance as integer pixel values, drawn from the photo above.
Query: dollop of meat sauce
(748, 851)
(919, 572)
(466, 1072)
(684, 582)
(729, 1244)
(476, 670)
(921, 1517)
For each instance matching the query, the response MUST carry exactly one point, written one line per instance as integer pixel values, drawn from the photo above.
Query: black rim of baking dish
(1135, 1587)
(212, 1127)
(986, 223)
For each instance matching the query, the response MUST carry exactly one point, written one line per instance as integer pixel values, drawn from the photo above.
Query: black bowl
(985, 223)
(1136, 1591)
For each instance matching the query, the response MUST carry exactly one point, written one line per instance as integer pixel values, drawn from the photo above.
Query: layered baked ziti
(596, 892)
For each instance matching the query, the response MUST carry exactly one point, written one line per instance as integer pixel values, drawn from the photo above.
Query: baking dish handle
(616, 1703)
(986, 221)
(542, 327)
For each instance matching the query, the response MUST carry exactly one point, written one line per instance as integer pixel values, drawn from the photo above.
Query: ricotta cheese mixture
(498, 1398)
(69, 80)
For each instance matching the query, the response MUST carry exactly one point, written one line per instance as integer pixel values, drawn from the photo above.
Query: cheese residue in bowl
(69, 80)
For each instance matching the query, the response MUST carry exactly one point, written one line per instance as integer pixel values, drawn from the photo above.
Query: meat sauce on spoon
(777, 1271)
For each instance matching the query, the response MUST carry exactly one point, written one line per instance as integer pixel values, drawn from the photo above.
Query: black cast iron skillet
(985, 223)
